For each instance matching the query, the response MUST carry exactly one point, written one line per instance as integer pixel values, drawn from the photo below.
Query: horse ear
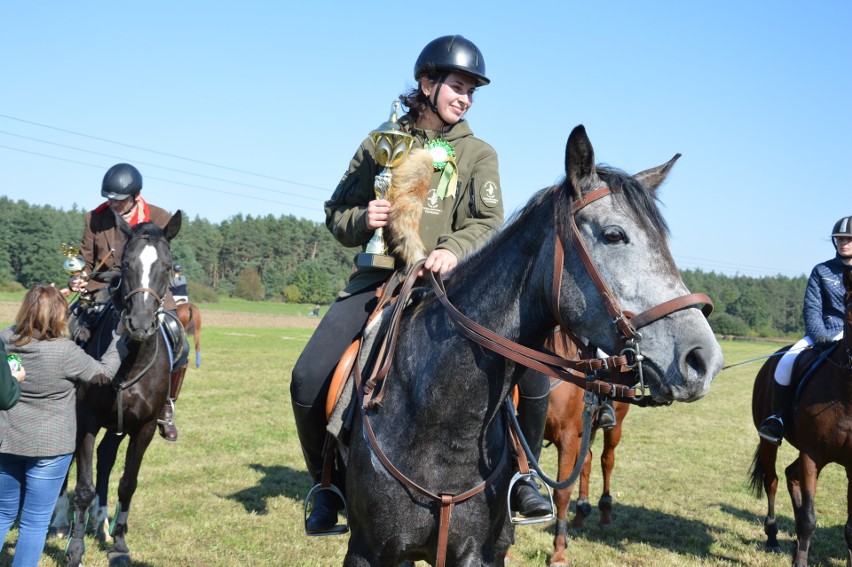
(123, 225)
(654, 177)
(173, 226)
(579, 160)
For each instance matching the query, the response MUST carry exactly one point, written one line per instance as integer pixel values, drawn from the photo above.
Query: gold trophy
(74, 263)
(390, 145)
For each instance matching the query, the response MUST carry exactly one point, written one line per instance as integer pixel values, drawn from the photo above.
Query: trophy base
(367, 260)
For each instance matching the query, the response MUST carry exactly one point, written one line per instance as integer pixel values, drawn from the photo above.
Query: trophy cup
(391, 145)
(74, 263)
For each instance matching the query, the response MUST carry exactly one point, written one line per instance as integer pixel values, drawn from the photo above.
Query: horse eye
(614, 234)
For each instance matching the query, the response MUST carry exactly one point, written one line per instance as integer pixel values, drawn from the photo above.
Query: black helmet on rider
(177, 268)
(121, 182)
(452, 53)
(444, 55)
(843, 229)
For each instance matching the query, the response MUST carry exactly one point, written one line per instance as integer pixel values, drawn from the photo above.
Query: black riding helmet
(446, 54)
(843, 227)
(452, 53)
(121, 181)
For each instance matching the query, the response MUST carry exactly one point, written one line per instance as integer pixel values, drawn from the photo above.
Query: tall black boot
(310, 424)
(772, 428)
(526, 500)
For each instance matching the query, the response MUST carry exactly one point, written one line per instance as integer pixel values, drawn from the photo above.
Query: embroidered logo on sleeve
(489, 194)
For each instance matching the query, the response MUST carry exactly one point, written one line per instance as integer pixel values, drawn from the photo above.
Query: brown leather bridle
(579, 372)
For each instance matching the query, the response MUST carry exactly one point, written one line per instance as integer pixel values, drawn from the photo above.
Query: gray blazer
(44, 421)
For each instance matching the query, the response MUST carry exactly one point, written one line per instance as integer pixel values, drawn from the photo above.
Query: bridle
(580, 372)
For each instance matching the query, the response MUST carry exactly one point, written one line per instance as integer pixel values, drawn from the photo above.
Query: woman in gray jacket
(38, 435)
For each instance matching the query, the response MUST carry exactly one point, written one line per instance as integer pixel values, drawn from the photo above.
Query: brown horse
(819, 426)
(190, 318)
(564, 429)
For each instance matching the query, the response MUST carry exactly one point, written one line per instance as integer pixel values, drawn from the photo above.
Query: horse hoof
(773, 549)
(117, 558)
(60, 531)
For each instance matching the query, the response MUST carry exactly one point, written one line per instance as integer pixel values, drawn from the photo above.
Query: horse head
(146, 264)
(615, 245)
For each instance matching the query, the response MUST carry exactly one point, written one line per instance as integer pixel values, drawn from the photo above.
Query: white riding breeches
(784, 370)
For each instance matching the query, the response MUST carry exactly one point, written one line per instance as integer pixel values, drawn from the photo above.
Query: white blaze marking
(147, 257)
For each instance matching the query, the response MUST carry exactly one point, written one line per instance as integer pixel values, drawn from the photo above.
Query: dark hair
(43, 315)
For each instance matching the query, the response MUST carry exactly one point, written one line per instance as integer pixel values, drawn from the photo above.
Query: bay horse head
(146, 265)
(628, 279)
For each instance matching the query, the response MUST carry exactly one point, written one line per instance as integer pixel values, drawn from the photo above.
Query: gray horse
(441, 425)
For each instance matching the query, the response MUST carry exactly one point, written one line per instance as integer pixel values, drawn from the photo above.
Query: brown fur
(409, 186)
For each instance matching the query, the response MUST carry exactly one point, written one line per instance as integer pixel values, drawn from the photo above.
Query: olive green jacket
(460, 224)
(10, 389)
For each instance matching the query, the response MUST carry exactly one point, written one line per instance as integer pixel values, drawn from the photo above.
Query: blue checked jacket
(823, 310)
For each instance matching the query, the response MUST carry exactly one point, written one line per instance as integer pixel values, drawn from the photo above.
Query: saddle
(806, 364)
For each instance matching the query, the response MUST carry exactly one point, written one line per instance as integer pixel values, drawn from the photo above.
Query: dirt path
(210, 318)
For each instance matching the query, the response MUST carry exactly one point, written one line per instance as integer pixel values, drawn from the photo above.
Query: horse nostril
(696, 361)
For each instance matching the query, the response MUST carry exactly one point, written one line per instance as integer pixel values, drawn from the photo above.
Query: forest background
(298, 261)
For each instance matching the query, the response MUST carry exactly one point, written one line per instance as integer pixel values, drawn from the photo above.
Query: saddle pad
(342, 390)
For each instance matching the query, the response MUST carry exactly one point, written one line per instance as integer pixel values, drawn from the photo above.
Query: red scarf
(138, 213)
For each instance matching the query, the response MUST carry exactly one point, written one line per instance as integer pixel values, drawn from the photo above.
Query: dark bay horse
(132, 404)
(564, 430)
(819, 425)
(428, 468)
(190, 318)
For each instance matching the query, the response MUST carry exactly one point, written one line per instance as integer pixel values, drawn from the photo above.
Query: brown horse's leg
(767, 454)
(802, 478)
(847, 531)
(136, 448)
(583, 507)
(611, 440)
(567, 447)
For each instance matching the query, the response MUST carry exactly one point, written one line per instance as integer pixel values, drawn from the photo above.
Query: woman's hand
(20, 374)
(440, 261)
(377, 213)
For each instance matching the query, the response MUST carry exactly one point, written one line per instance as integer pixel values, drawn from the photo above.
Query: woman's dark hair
(43, 315)
(414, 100)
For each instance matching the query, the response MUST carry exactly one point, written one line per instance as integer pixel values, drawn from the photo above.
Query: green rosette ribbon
(444, 160)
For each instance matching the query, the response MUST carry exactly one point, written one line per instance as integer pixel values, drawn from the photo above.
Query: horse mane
(639, 199)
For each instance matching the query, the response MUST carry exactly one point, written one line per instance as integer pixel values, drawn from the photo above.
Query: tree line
(298, 261)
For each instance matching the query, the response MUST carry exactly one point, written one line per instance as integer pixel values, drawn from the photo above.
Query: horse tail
(757, 475)
(409, 186)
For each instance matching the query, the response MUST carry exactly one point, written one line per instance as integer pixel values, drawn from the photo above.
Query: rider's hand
(823, 341)
(20, 374)
(377, 213)
(440, 262)
(77, 283)
(100, 380)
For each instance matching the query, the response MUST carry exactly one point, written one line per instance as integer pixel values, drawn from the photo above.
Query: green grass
(230, 491)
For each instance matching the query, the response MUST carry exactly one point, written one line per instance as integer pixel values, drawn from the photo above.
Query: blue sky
(256, 107)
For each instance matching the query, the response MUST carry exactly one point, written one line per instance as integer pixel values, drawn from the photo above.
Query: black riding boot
(606, 415)
(772, 428)
(526, 500)
(310, 423)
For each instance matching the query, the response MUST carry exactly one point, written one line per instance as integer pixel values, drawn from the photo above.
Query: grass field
(230, 492)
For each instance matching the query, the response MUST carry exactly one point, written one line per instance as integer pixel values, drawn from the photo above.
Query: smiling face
(455, 97)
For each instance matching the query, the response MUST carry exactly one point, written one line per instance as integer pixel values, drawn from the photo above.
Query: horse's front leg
(802, 477)
(847, 531)
(567, 447)
(136, 448)
(84, 493)
(583, 508)
(107, 452)
(611, 440)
